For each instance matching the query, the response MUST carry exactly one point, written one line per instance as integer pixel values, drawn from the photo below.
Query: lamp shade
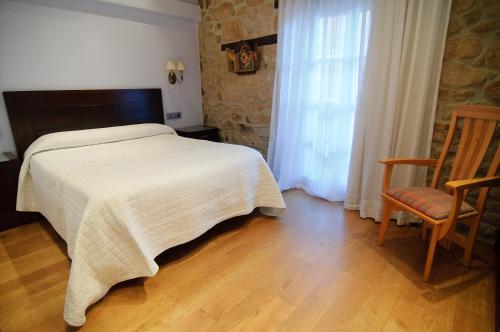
(171, 65)
(180, 66)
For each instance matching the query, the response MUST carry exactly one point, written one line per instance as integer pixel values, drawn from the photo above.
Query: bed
(122, 194)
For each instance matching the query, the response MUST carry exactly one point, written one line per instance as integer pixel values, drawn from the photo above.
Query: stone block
(453, 25)
(267, 9)
(253, 3)
(439, 133)
(472, 17)
(486, 26)
(258, 119)
(460, 75)
(460, 95)
(222, 11)
(460, 6)
(263, 132)
(245, 129)
(231, 30)
(210, 42)
(242, 11)
(492, 91)
(493, 11)
(462, 48)
(235, 117)
(492, 55)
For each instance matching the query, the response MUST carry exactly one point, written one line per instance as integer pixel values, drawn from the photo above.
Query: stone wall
(470, 75)
(239, 105)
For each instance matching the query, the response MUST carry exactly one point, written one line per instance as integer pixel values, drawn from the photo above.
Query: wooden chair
(438, 209)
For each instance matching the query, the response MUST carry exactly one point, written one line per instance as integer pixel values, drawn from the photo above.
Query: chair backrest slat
(444, 152)
(479, 126)
(483, 194)
(495, 165)
(474, 142)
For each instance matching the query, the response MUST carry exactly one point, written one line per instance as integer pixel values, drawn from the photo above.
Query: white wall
(47, 48)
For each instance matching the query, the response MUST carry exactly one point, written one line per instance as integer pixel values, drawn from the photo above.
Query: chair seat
(431, 202)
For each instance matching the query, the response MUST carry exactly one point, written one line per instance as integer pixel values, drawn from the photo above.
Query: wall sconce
(172, 68)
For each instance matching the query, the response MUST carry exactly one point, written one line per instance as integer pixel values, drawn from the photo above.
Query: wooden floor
(315, 268)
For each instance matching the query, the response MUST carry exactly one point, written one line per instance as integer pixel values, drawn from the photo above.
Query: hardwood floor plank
(315, 267)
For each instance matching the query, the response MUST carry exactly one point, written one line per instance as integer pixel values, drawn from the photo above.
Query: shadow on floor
(405, 250)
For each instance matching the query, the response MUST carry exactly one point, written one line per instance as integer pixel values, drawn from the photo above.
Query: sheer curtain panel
(397, 100)
(320, 58)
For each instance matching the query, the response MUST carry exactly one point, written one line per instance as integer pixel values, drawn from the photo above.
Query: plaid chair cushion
(431, 202)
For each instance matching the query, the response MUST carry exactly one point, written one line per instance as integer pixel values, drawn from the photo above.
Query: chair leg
(431, 251)
(424, 231)
(386, 216)
(469, 243)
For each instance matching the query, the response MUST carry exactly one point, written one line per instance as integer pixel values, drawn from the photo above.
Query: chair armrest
(410, 161)
(473, 183)
(389, 165)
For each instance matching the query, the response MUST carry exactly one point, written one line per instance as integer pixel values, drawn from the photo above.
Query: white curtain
(397, 97)
(321, 53)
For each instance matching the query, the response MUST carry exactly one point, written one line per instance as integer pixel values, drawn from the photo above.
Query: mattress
(120, 196)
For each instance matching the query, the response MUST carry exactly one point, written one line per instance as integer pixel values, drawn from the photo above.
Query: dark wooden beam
(264, 40)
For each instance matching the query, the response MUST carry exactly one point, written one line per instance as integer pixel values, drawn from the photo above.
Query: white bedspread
(120, 196)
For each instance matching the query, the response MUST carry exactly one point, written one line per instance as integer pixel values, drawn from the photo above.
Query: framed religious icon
(244, 60)
(247, 61)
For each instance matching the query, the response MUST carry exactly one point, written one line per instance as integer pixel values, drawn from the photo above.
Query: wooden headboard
(36, 113)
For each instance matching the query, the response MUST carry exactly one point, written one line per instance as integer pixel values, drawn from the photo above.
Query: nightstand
(200, 132)
(9, 174)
